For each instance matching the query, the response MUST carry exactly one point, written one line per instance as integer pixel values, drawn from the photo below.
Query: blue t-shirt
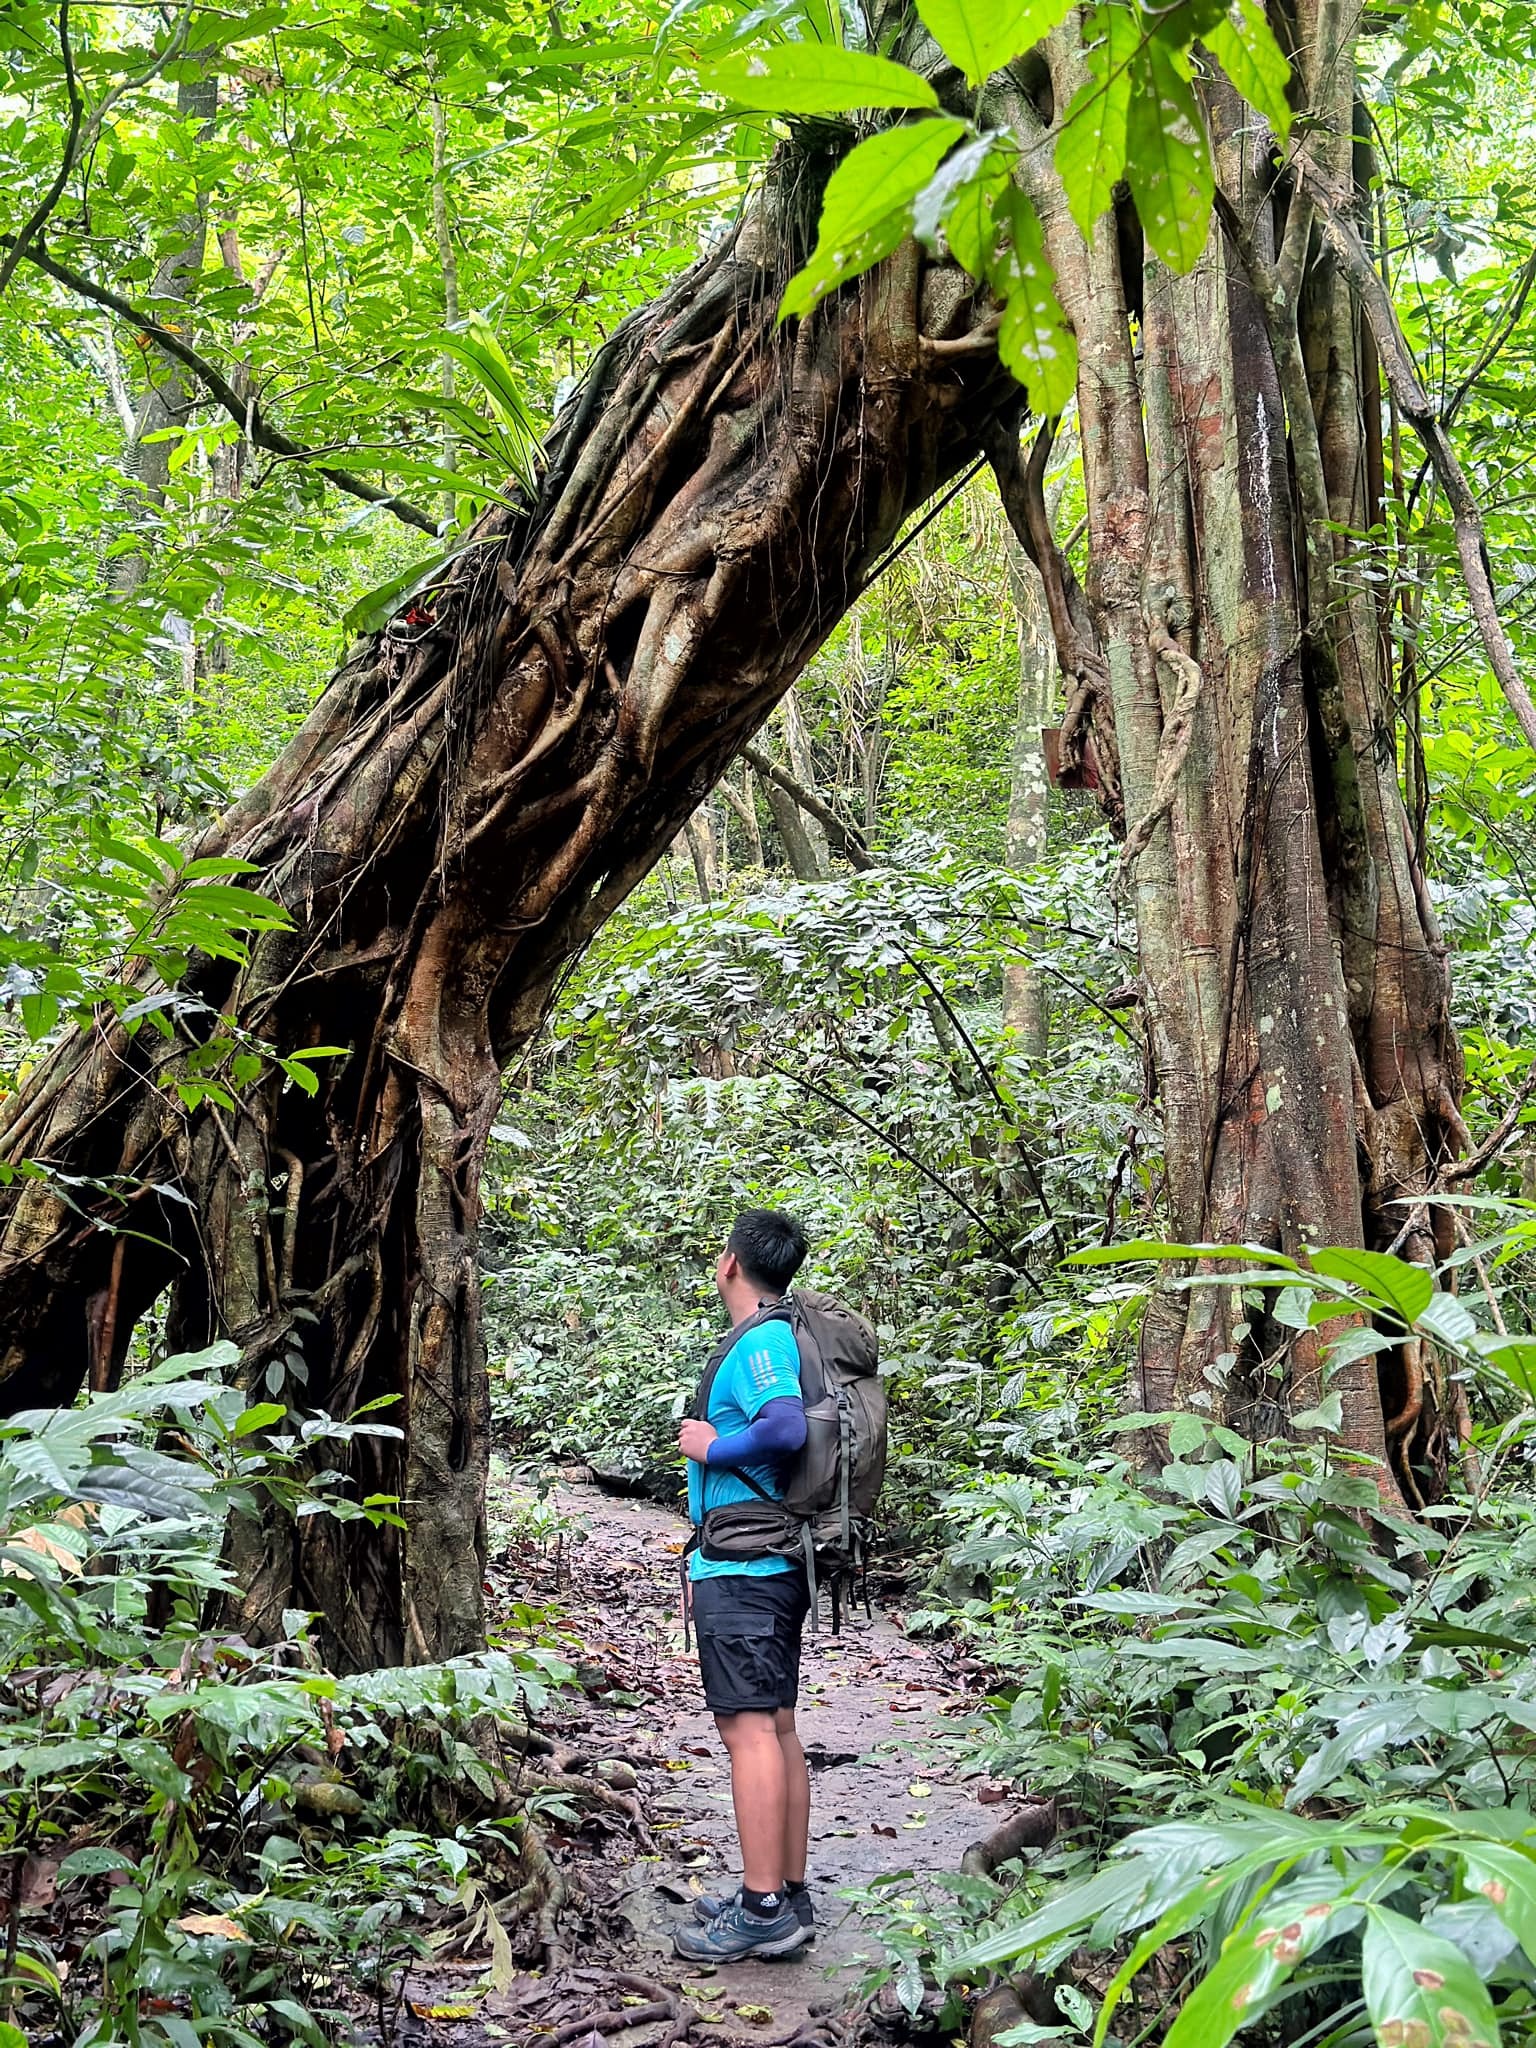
(760, 1367)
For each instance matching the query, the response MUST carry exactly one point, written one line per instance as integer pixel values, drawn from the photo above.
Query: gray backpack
(831, 1486)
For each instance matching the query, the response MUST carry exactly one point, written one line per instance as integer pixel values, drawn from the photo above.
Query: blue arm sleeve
(778, 1432)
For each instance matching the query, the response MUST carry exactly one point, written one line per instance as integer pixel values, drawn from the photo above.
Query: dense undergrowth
(1290, 1733)
(207, 1841)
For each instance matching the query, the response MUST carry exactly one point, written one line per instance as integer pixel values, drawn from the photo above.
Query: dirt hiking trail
(874, 1709)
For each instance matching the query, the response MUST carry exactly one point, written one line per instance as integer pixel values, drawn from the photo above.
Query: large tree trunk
(1294, 983)
(473, 793)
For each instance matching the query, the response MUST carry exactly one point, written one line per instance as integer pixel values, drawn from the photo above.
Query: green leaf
(1186, 1434)
(134, 857)
(867, 208)
(1034, 340)
(1362, 1733)
(1244, 45)
(1114, 1890)
(976, 169)
(1352, 1345)
(883, 176)
(476, 347)
(1448, 1318)
(1258, 1959)
(1091, 147)
(1137, 1248)
(1167, 160)
(968, 224)
(1327, 1415)
(1420, 1991)
(376, 607)
(1396, 1283)
(982, 35)
(1507, 1879)
(262, 1416)
(92, 1862)
(816, 78)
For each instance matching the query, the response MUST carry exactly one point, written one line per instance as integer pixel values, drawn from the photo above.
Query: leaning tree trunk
(474, 792)
(1294, 982)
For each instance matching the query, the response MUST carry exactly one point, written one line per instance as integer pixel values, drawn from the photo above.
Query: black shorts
(749, 1640)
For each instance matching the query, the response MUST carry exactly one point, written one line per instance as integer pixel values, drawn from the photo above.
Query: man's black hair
(770, 1246)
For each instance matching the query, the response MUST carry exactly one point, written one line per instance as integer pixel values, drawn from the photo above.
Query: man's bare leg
(760, 1794)
(797, 1799)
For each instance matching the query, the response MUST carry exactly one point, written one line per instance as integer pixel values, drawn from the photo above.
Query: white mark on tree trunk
(1259, 496)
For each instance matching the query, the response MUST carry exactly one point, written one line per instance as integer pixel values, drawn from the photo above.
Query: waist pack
(831, 1485)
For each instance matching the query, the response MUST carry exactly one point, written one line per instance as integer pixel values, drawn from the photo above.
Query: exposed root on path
(541, 1898)
(659, 2003)
(1032, 1827)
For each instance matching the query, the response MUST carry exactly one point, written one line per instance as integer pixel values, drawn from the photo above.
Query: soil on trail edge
(873, 1706)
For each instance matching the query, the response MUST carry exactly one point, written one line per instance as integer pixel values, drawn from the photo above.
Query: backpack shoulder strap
(767, 1312)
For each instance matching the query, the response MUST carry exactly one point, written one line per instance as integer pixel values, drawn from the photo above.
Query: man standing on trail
(748, 1614)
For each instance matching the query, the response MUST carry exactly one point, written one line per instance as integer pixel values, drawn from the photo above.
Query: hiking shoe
(734, 1934)
(712, 1904)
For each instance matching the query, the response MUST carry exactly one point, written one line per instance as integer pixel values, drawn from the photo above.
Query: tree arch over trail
(478, 788)
(471, 795)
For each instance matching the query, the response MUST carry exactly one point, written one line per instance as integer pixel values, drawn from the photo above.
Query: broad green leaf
(1447, 1317)
(867, 209)
(975, 170)
(131, 857)
(376, 607)
(883, 176)
(1167, 159)
(1420, 1991)
(476, 348)
(1141, 1248)
(1091, 144)
(92, 1862)
(968, 225)
(1327, 1415)
(982, 35)
(1244, 45)
(1360, 1734)
(1034, 339)
(816, 78)
(1507, 1880)
(1114, 1890)
(1186, 1434)
(262, 1416)
(1397, 1283)
(1259, 1958)
(1352, 1345)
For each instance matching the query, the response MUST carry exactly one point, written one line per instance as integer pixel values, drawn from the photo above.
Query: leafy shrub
(194, 1861)
(1331, 1708)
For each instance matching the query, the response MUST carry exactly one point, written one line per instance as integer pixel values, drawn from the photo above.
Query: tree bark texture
(1295, 985)
(475, 790)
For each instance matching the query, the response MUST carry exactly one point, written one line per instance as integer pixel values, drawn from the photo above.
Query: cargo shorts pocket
(743, 1660)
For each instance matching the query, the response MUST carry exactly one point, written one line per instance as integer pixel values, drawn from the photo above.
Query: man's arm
(777, 1432)
(762, 1376)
